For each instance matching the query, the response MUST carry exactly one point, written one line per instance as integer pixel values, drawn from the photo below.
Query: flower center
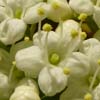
(54, 58)
(18, 13)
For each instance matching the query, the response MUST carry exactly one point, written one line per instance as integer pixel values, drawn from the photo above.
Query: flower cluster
(49, 50)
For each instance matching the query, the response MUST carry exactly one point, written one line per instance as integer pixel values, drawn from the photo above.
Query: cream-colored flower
(50, 55)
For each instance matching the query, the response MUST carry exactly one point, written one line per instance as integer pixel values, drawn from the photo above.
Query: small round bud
(26, 38)
(82, 16)
(54, 58)
(74, 33)
(88, 96)
(47, 27)
(40, 11)
(14, 62)
(83, 35)
(66, 71)
(55, 5)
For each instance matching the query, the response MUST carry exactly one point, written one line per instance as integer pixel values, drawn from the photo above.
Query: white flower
(82, 6)
(11, 30)
(50, 54)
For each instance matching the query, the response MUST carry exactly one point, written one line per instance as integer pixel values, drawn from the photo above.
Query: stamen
(83, 35)
(26, 38)
(95, 83)
(39, 33)
(95, 75)
(55, 5)
(74, 33)
(66, 71)
(88, 96)
(47, 27)
(82, 16)
(61, 26)
(11, 71)
(54, 59)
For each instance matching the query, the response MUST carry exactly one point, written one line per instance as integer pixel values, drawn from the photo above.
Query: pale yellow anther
(88, 96)
(26, 38)
(47, 27)
(74, 33)
(66, 71)
(14, 63)
(55, 5)
(83, 35)
(98, 61)
(82, 16)
(41, 11)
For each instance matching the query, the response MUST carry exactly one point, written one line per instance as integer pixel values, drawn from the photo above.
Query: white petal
(11, 31)
(76, 89)
(88, 44)
(32, 15)
(30, 61)
(78, 64)
(96, 15)
(52, 80)
(82, 6)
(91, 48)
